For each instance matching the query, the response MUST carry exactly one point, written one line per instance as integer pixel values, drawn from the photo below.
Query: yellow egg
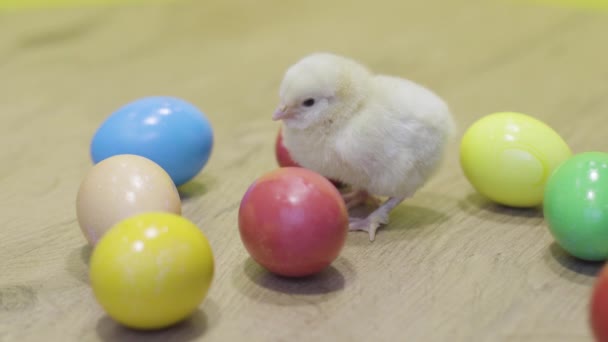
(152, 270)
(508, 157)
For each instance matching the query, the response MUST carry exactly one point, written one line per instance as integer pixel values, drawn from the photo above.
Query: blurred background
(227, 57)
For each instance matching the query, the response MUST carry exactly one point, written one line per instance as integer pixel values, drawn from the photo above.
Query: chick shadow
(257, 283)
(191, 329)
(192, 189)
(569, 267)
(476, 205)
(415, 217)
(404, 218)
(77, 263)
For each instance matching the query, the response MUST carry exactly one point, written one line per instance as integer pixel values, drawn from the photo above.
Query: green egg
(576, 205)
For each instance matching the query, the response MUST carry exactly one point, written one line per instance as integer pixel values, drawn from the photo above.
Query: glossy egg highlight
(152, 270)
(507, 157)
(119, 187)
(576, 206)
(293, 222)
(169, 131)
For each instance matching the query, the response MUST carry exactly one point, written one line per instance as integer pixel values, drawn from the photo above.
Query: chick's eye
(308, 102)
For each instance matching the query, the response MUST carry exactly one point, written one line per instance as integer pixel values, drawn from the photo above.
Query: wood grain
(449, 267)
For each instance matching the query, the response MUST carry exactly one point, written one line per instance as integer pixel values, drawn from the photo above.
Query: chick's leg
(356, 197)
(378, 217)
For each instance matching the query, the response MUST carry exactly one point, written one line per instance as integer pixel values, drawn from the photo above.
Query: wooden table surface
(449, 267)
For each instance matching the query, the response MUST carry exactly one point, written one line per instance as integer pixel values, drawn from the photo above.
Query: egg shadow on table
(477, 205)
(77, 262)
(190, 329)
(253, 280)
(569, 267)
(192, 189)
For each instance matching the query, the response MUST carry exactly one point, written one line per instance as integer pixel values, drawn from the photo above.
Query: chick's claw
(377, 218)
(369, 224)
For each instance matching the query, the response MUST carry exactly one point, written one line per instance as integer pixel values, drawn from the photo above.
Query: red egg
(282, 154)
(293, 222)
(284, 158)
(599, 307)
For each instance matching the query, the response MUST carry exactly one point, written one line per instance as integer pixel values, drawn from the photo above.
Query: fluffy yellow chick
(382, 135)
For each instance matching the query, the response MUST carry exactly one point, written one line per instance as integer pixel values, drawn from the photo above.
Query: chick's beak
(281, 113)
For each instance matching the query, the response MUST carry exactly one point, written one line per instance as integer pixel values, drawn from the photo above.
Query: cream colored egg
(120, 187)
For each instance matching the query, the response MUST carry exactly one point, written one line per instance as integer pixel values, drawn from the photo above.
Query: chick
(384, 136)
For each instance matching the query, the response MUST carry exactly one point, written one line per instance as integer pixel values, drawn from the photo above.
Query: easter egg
(576, 206)
(119, 187)
(598, 306)
(284, 159)
(171, 132)
(507, 157)
(293, 222)
(152, 270)
(281, 153)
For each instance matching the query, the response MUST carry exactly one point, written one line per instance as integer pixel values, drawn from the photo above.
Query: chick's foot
(373, 221)
(369, 224)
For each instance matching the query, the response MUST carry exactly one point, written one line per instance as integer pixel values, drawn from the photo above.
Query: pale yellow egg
(508, 157)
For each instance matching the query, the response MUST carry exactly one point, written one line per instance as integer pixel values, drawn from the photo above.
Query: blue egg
(169, 131)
